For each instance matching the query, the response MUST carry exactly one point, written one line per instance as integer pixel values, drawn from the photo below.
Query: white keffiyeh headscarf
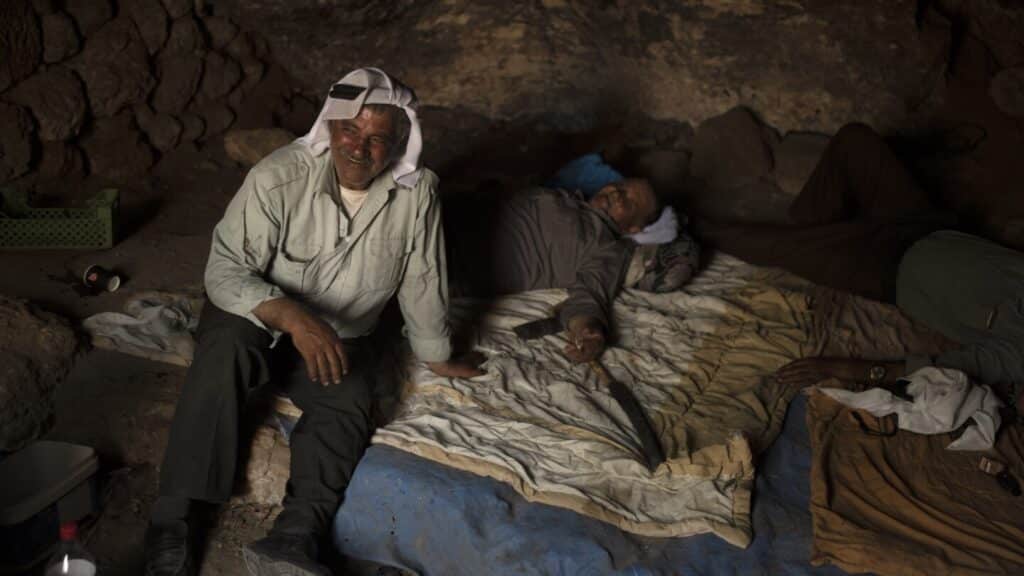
(346, 99)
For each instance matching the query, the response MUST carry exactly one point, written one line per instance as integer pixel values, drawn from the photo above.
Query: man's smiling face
(362, 147)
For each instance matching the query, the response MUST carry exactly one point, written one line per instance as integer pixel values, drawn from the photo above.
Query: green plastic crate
(90, 227)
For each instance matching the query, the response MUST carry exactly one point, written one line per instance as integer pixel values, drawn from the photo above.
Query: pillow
(670, 266)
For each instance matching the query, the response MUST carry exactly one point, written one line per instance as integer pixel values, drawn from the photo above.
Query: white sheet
(698, 360)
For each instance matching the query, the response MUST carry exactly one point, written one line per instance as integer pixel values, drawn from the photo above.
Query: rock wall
(802, 65)
(107, 86)
(36, 350)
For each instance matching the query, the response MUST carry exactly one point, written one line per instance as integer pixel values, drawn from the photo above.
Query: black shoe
(283, 555)
(168, 550)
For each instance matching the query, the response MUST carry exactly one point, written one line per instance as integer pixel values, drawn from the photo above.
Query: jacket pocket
(383, 265)
(293, 274)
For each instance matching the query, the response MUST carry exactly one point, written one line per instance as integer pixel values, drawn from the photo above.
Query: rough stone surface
(178, 8)
(179, 75)
(220, 76)
(16, 141)
(192, 127)
(21, 46)
(116, 148)
(665, 169)
(998, 22)
(729, 151)
(563, 59)
(60, 39)
(57, 101)
(267, 469)
(36, 352)
(257, 107)
(162, 130)
(60, 161)
(795, 158)
(89, 15)
(115, 68)
(760, 201)
(151, 20)
(216, 117)
(1007, 90)
(300, 115)
(252, 73)
(221, 31)
(44, 7)
(185, 36)
(247, 147)
(241, 47)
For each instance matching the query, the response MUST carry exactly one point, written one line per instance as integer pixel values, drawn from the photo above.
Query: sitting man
(318, 238)
(553, 238)
(865, 226)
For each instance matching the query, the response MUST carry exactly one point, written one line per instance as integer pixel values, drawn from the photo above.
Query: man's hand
(809, 371)
(586, 339)
(465, 366)
(317, 343)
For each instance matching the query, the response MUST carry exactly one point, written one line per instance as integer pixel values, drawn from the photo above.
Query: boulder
(116, 149)
(178, 8)
(247, 147)
(36, 353)
(57, 101)
(257, 107)
(221, 31)
(185, 36)
(162, 130)
(115, 68)
(216, 117)
(89, 15)
(16, 141)
(179, 74)
(1007, 91)
(151, 20)
(59, 162)
(21, 44)
(60, 39)
(795, 158)
(192, 127)
(220, 76)
(729, 152)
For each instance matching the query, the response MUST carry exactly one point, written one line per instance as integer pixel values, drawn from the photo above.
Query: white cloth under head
(943, 400)
(661, 231)
(346, 98)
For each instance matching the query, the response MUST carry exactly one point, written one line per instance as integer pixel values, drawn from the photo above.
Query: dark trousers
(233, 359)
(854, 218)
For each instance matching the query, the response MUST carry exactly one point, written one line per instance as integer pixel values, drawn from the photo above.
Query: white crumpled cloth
(943, 400)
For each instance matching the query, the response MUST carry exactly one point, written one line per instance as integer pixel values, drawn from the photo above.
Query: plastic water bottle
(71, 558)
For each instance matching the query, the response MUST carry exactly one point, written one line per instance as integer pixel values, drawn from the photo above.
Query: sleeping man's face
(630, 203)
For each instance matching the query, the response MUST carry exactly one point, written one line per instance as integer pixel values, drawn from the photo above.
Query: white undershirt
(352, 200)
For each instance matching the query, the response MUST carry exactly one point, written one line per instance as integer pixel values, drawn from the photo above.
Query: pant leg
(327, 442)
(858, 177)
(231, 360)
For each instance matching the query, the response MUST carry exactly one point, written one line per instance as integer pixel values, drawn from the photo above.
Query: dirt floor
(123, 405)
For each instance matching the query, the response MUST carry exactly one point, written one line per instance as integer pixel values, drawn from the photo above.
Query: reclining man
(865, 226)
(553, 238)
(320, 235)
